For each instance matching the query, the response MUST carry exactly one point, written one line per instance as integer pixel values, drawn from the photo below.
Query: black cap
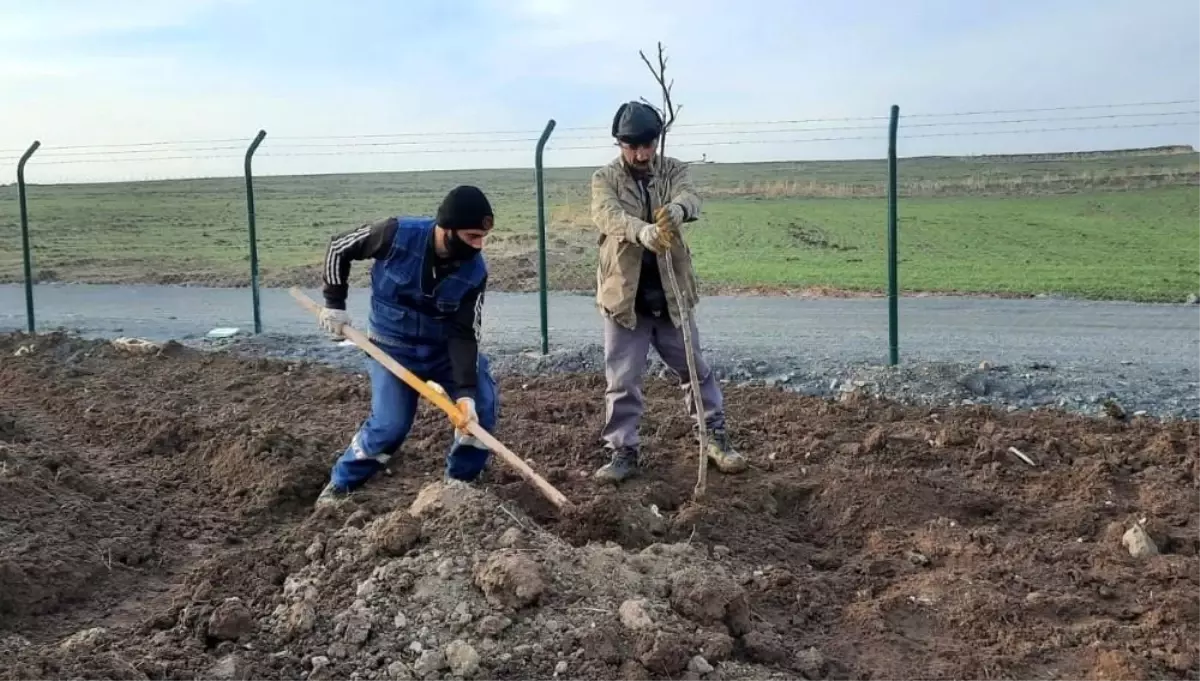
(636, 123)
(465, 207)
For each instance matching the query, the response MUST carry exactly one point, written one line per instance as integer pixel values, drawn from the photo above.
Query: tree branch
(669, 111)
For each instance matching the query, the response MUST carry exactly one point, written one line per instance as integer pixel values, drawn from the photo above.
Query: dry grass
(976, 184)
(572, 215)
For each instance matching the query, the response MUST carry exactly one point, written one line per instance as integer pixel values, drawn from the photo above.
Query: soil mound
(156, 521)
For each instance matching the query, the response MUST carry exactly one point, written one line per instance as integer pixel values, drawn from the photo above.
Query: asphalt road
(954, 329)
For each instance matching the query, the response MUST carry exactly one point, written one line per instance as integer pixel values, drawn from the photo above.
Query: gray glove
(332, 320)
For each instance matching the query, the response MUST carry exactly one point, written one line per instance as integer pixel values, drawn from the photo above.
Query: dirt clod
(510, 579)
(715, 646)
(811, 663)
(430, 662)
(634, 616)
(631, 670)
(512, 538)
(462, 658)
(664, 653)
(709, 597)
(601, 644)
(765, 646)
(393, 534)
(84, 640)
(231, 620)
(228, 668)
(699, 665)
(493, 625)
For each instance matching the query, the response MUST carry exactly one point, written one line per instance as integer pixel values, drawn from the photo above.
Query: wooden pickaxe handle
(442, 401)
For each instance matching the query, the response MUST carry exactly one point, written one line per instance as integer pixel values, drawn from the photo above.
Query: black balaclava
(459, 249)
(465, 207)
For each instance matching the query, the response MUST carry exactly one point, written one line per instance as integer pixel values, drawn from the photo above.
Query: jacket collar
(655, 167)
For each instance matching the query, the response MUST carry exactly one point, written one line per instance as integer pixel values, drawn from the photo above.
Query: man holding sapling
(637, 229)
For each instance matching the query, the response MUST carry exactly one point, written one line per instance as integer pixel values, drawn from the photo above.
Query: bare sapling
(668, 113)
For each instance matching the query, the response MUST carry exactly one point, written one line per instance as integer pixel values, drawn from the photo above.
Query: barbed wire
(147, 147)
(269, 153)
(846, 119)
(1080, 107)
(57, 154)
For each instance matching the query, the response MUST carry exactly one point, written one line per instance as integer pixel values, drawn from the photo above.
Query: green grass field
(1113, 225)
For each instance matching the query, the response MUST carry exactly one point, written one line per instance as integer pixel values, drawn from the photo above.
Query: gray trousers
(625, 357)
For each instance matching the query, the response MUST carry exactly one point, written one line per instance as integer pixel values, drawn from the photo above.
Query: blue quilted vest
(402, 315)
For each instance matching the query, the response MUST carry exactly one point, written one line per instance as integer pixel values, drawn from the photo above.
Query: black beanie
(465, 207)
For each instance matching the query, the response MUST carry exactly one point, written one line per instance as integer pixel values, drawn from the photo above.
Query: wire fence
(189, 231)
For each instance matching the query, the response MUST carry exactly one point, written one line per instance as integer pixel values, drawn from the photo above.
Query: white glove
(654, 239)
(467, 406)
(331, 320)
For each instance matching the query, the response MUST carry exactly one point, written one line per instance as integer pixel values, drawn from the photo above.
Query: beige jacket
(617, 211)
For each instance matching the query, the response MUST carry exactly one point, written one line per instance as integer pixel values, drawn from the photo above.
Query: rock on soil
(156, 521)
(1139, 543)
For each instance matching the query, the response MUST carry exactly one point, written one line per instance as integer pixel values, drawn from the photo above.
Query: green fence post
(253, 234)
(25, 251)
(893, 286)
(541, 218)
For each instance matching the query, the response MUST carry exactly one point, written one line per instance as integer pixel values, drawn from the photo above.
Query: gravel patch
(1084, 388)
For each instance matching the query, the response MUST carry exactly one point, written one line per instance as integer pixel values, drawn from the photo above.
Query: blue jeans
(393, 407)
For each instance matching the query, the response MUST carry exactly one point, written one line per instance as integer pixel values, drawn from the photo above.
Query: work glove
(669, 219)
(331, 320)
(655, 238)
(670, 215)
(466, 405)
(468, 415)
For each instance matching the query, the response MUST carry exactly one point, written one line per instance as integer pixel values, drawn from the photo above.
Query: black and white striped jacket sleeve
(466, 328)
(368, 241)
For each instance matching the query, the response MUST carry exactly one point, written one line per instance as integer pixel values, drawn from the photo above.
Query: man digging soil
(427, 287)
(638, 311)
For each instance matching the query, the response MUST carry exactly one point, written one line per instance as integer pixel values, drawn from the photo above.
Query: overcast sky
(120, 72)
